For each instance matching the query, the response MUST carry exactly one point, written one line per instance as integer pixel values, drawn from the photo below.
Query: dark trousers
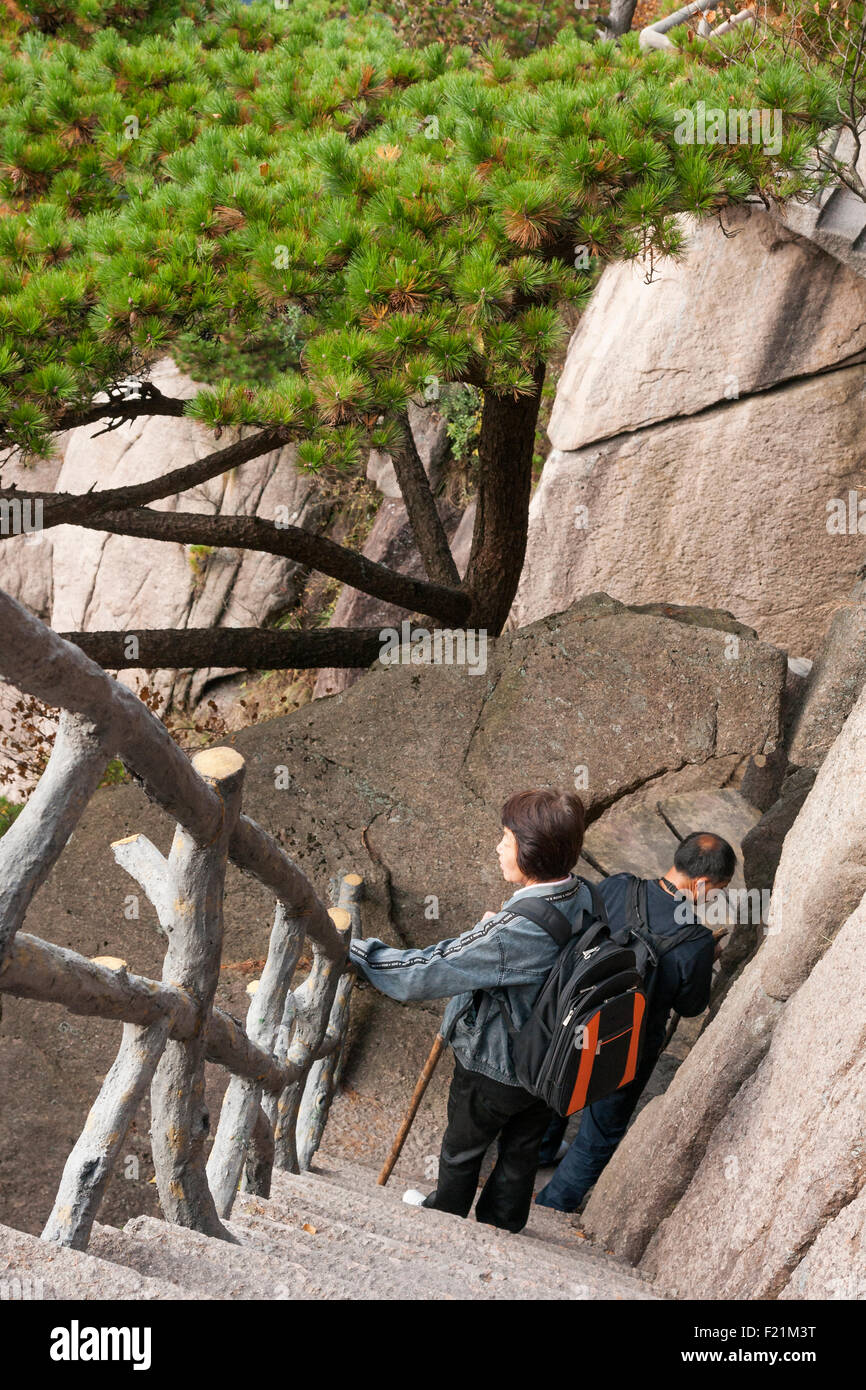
(602, 1125)
(479, 1111)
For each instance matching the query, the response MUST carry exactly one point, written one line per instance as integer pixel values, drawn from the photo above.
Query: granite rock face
(788, 1154)
(684, 464)
(107, 582)
(762, 846)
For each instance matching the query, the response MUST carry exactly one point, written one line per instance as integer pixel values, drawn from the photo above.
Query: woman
(500, 964)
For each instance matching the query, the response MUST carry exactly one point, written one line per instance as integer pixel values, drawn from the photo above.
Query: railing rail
(283, 1065)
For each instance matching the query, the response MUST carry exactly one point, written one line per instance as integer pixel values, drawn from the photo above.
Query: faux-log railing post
(241, 1102)
(322, 1080)
(313, 1003)
(89, 1165)
(180, 1120)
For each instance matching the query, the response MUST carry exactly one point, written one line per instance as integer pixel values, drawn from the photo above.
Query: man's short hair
(705, 855)
(548, 827)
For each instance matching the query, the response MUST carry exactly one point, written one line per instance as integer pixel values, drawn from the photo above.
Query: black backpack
(584, 1035)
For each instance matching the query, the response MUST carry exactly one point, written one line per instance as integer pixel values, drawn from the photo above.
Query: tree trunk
(620, 16)
(505, 453)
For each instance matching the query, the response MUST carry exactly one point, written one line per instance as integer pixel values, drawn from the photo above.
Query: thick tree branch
(252, 648)
(292, 542)
(61, 509)
(424, 519)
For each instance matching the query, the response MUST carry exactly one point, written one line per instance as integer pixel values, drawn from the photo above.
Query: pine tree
(329, 224)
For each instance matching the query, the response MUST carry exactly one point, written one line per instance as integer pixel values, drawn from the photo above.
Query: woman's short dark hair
(548, 827)
(705, 855)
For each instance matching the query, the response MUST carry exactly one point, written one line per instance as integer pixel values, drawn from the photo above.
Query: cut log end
(218, 764)
(110, 962)
(353, 880)
(341, 919)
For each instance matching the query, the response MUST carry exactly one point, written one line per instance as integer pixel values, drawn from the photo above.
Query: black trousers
(479, 1111)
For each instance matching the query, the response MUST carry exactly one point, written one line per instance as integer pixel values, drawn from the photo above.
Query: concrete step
(31, 1268)
(342, 1196)
(249, 1269)
(274, 1260)
(430, 1270)
(544, 1224)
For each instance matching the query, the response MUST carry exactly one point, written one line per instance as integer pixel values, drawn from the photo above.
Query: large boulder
(755, 1145)
(684, 461)
(787, 1155)
(26, 572)
(762, 846)
(834, 1267)
(25, 559)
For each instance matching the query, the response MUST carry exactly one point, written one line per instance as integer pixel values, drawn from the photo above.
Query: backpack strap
(598, 906)
(663, 944)
(545, 914)
(637, 922)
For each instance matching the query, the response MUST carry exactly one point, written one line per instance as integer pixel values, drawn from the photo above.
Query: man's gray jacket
(501, 962)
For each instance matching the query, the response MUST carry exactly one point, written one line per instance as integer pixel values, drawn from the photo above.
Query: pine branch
(248, 648)
(293, 543)
(61, 509)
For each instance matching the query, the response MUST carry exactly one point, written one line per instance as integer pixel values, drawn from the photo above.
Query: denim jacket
(503, 961)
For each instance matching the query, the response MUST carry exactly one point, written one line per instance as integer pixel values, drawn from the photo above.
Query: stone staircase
(327, 1234)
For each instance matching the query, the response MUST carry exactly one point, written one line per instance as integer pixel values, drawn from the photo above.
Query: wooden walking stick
(417, 1096)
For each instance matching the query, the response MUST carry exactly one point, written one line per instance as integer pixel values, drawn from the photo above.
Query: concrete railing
(655, 35)
(284, 1065)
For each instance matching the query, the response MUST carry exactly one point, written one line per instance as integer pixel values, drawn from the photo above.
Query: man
(502, 961)
(682, 982)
